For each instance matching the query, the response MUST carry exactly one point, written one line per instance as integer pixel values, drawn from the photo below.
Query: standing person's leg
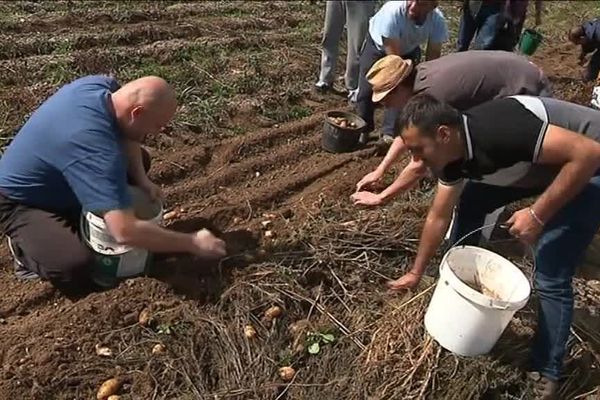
(476, 202)
(467, 28)
(560, 250)
(489, 20)
(390, 115)
(593, 66)
(332, 32)
(358, 14)
(364, 102)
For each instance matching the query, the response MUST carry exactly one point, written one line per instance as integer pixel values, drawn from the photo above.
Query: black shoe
(20, 270)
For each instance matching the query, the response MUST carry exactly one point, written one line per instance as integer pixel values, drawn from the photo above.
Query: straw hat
(386, 74)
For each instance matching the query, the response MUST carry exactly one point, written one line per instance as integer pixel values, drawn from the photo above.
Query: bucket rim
(473, 295)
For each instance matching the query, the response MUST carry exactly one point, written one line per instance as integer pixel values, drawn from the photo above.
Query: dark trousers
(558, 252)
(365, 106)
(48, 243)
(593, 66)
(487, 23)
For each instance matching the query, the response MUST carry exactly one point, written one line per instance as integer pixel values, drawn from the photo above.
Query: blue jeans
(486, 23)
(559, 250)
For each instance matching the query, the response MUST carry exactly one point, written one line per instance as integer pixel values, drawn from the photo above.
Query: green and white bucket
(114, 261)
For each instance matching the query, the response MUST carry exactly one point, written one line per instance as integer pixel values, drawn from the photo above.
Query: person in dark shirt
(588, 37)
(501, 152)
(463, 80)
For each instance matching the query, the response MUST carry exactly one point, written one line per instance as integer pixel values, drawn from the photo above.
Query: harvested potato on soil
(171, 215)
(287, 373)
(103, 351)
(266, 224)
(114, 397)
(273, 312)
(145, 317)
(249, 332)
(159, 348)
(108, 388)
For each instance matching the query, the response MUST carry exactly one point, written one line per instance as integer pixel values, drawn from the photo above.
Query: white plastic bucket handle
(530, 247)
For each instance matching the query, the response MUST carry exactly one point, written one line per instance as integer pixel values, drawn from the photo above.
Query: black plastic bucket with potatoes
(341, 131)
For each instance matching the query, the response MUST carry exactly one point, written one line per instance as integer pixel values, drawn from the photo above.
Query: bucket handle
(530, 247)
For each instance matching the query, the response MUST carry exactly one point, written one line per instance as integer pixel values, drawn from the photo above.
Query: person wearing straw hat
(500, 152)
(462, 80)
(76, 153)
(399, 28)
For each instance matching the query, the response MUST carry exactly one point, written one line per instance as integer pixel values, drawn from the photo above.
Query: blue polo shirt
(392, 22)
(69, 155)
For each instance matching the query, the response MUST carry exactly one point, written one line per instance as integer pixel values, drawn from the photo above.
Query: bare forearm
(146, 235)
(395, 151)
(433, 232)
(434, 51)
(571, 179)
(407, 179)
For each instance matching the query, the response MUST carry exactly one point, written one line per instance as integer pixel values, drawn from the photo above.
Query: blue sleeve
(439, 31)
(390, 25)
(99, 181)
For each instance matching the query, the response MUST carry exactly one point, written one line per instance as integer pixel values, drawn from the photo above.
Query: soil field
(243, 157)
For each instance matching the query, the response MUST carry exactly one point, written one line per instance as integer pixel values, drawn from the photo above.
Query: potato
(273, 312)
(145, 317)
(344, 124)
(114, 397)
(249, 332)
(108, 388)
(287, 373)
(159, 348)
(103, 351)
(171, 215)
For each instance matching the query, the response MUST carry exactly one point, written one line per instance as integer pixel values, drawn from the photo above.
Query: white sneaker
(352, 95)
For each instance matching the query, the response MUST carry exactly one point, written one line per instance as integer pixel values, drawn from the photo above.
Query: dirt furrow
(28, 70)
(14, 47)
(107, 19)
(167, 168)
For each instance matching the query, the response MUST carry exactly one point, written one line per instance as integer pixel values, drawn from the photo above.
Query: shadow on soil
(204, 279)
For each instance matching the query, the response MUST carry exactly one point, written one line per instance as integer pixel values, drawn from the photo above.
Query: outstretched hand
(408, 281)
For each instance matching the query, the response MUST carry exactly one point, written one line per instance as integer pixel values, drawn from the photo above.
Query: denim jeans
(486, 23)
(559, 250)
(364, 103)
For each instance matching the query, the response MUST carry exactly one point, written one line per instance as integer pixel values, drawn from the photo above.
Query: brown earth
(276, 173)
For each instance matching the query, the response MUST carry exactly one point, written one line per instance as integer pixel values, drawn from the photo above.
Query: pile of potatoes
(342, 122)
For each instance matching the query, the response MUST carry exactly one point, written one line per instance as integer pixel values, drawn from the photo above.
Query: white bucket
(596, 98)
(113, 260)
(464, 320)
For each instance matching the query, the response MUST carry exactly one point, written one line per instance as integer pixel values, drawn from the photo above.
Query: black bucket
(338, 139)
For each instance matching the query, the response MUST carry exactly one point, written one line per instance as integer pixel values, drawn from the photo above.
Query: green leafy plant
(316, 340)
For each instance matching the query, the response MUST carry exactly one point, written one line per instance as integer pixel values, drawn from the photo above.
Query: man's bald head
(144, 106)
